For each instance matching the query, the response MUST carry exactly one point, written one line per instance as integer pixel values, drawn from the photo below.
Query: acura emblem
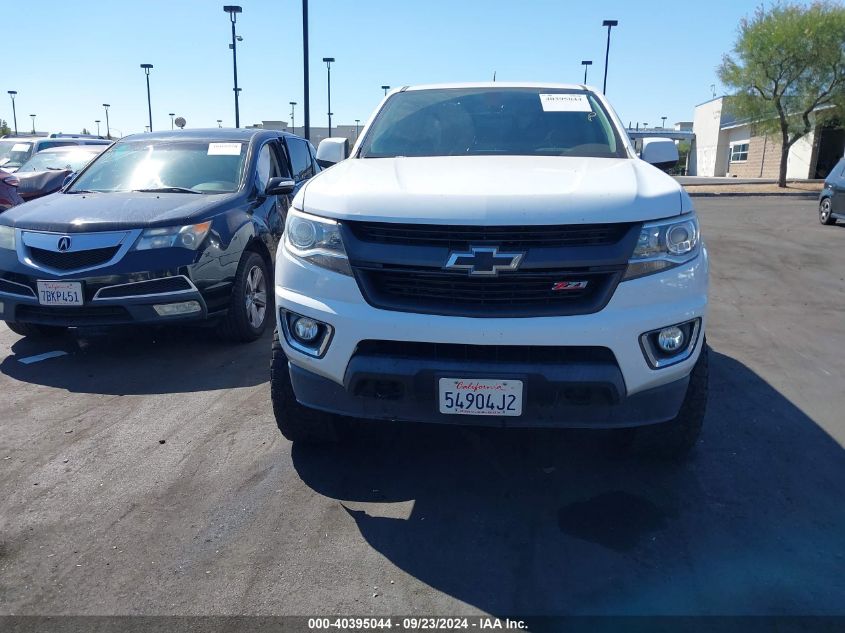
(64, 244)
(484, 260)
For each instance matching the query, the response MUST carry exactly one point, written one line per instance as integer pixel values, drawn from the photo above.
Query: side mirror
(660, 152)
(332, 151)
(68, 179)
(279, 187)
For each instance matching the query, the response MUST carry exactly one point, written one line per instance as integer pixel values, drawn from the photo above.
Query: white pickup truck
(493, 254)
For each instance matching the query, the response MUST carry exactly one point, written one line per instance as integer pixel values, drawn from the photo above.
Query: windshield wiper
(167, 190)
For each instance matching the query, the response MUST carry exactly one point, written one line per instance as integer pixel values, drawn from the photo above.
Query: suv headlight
(316, 240)
(665, 244)
(190, 236)
(7, 237)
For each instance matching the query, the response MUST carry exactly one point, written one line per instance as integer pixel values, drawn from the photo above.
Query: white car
(493, 254)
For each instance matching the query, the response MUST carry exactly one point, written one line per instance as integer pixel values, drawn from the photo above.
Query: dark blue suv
(161, 228)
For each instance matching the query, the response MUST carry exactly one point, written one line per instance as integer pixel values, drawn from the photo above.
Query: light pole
(586, 63)
(33, 124)
(147, 68)
(306, 104)
(97, 121)
(233, 11)
(385, 88)
(171, 115)
(663, 125)
(219, 122)
(609, 24)
(292, 113)
(108, 129)
(357, 121)
(329, 61)
(12, 94)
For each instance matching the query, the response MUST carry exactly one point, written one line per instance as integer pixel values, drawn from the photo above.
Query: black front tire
(825, 212)
(34, 330)
(250, 307)
(296, 422)
(675, 439)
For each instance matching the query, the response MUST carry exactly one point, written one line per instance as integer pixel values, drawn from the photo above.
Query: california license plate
(60, 293)
(469, 396)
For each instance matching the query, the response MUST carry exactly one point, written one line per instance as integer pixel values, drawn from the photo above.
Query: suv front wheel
(825, 213)
(250, 306)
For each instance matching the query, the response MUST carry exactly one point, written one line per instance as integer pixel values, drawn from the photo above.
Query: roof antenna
(494, 76)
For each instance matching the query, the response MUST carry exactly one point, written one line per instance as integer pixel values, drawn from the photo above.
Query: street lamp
(385, 88)
(147, 68)
(108, 129)
(586, 63)
(357, 121)
(219, 122)
(33, 124)
(12, 94)
(171, 115)
(329, 61)
(306, 92)
(609, 24)
(97, 121)
(233, 11)
(292, 112)
(663, 125)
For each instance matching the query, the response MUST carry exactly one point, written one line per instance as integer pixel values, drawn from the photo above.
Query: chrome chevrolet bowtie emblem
(484, 260)
(64, 244)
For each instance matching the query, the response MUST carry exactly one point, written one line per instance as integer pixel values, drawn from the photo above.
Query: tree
(787, 70)
(5, 130)
(85, 131)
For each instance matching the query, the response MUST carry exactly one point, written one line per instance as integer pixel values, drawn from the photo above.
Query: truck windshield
(491, 121)
(183, 166)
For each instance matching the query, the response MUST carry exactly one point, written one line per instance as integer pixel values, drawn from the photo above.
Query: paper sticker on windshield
(20, 147)
(565, 103)
(224, 149)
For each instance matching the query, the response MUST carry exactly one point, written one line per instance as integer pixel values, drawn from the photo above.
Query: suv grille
(151, 287)
(73, 260)
(512, 294)
(487, 353)
(455, 237)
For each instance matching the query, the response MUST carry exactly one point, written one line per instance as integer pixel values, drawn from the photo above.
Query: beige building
(725, 146)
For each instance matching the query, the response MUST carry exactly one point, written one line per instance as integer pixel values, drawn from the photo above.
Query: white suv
(493, 254)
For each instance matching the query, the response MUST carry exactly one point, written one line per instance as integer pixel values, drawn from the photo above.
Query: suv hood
(76, 213)
(496, 190)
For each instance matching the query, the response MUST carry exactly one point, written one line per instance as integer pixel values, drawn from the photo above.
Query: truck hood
(75, 213)
(495, 190)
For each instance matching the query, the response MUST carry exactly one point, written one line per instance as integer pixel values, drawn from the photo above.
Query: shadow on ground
(139, 361)
(552, 523)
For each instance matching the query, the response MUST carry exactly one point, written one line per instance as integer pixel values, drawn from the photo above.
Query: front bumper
(121, 294)
(642, 395)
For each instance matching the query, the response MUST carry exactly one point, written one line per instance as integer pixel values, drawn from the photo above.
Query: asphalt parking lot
(143, 473)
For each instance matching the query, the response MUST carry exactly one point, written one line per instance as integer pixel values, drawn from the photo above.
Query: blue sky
(77, 55)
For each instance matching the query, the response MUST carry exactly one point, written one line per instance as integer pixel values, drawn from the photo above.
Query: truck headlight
(663, 245)
(316, 240)
(7, 237)
(190, 236)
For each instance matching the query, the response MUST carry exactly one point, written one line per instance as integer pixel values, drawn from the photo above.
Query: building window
(739, 152)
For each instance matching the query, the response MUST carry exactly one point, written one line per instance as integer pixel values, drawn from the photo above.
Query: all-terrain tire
(296, 422)
(674, 440)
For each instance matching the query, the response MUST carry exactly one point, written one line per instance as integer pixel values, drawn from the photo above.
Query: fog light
(670, 339)
(174, 309)
(305, 329)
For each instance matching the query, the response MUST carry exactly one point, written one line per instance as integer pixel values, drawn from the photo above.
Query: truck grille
(511, 237)
(72, 260)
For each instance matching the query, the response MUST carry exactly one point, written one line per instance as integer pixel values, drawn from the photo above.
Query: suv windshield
(493, 121)
(190, 166)
(13, 153)
(72, 160)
